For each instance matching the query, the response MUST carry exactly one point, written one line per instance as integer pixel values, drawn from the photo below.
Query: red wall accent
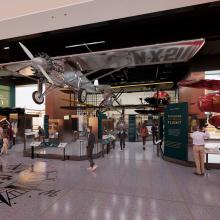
(191, 95)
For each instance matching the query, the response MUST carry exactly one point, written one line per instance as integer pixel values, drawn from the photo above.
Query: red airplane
(159, 98)
(209, 102)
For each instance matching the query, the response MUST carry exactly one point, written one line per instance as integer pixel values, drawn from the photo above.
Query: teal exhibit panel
(100, 117)
(161, 127)
(46, 126)
(176, 131)
(12, 96)
(132, 128)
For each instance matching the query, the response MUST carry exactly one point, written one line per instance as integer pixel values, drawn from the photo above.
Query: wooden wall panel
(54, 102)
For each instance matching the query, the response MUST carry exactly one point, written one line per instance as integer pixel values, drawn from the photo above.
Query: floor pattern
(128, 185)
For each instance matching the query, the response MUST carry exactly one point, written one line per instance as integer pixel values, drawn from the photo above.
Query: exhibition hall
(109, 110)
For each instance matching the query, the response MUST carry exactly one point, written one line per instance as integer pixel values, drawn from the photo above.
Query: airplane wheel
(37, 97)
(82, 95)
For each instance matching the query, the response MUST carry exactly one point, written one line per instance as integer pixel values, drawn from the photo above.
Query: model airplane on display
(71, 71)
(209, 102)
(158, 98)
(156, 103)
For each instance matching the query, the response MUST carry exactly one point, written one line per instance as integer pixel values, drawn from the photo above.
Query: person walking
(40, 133)
(144, 134)
(91, 143)
(5, 144)
(199, 137)
(106, 140)
(122, 135)
(113, 134)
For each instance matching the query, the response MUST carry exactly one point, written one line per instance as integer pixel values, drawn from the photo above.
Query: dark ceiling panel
(167, 26)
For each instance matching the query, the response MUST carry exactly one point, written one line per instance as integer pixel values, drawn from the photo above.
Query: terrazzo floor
(129, 185)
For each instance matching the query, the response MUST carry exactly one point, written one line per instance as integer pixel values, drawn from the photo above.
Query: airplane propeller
(32, 58)
(28, 52)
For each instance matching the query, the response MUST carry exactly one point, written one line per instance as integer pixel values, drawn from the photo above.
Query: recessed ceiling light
(85, 44)
(6, 48)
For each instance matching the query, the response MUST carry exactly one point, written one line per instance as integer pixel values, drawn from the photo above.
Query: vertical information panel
(46, 126)
(132, 128)
(176, 131)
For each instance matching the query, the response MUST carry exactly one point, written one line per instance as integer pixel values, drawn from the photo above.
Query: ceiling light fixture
(6, 48)
(85, 44)
(96, 82)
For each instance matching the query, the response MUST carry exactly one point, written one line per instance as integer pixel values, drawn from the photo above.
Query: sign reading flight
(176, 131)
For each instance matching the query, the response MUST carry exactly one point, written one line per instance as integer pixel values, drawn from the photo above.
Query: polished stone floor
(128, 185)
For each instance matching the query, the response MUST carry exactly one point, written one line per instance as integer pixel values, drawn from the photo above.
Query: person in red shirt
(144, 134)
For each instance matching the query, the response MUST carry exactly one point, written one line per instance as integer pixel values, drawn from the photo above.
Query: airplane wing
(17, 69)
(173, 52)
(209, 84)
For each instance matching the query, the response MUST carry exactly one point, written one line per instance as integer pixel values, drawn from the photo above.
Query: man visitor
(199, 137)
(90, 147)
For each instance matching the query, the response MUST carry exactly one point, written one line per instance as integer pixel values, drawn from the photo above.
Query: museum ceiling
(200, 21)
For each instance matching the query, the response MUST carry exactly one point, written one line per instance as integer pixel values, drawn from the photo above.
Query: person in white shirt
(5, 144)
(199, 137)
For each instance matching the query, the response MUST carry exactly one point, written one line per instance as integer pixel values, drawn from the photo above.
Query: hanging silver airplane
(67, 71)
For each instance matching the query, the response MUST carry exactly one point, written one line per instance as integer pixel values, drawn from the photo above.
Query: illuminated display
(4, 96)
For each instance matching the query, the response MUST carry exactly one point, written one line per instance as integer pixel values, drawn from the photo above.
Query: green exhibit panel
(7, 96)
(132, 128)
(176, 131)
(4, 96)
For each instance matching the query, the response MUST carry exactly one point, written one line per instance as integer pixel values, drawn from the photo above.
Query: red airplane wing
(209, 84)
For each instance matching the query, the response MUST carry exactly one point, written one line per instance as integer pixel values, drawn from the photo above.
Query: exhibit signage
(176, 131)
(62, 145)
(35, 144)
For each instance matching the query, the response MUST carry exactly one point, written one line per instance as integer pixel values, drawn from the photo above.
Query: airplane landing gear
(38, 97)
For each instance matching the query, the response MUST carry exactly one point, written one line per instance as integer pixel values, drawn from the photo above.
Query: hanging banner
(176, 131)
